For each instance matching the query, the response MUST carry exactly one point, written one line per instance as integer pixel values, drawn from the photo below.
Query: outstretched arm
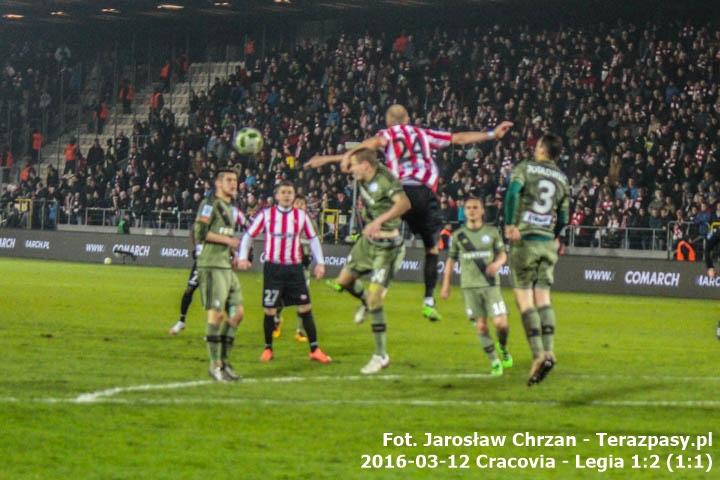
(401, 204)
(464, 138)
(318, 161)
(372, 143)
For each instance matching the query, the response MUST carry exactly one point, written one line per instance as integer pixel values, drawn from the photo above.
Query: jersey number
(271, 296)
(401, 144)
(546, 194)
(378, 276)
(499, 308)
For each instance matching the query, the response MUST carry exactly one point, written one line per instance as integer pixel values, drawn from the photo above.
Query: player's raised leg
(547, 326)
(348, 281)
(531, 324)
(430, 277)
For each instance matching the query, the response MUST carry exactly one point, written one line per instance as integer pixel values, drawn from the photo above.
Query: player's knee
(375, 297)
(270, 311)
(501, 322)
(189, 291)
(304, 308)
(481, 325)
(238, 316)
(432, 250)
(541, 297)
(215, 317)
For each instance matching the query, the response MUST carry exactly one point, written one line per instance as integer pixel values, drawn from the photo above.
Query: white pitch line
(707, 404)
(111, 392)
(93, 396)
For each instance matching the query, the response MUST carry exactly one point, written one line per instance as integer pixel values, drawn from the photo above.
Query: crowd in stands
(637, 106)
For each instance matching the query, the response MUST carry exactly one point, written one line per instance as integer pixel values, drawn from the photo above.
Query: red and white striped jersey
(409, 153)
(240, 218)
(282, 233)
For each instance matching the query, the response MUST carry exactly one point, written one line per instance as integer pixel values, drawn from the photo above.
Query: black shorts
(193, 281)
(284, 285)
(424, 217)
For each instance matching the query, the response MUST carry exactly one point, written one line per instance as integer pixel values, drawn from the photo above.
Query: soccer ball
(108, 260)
(248, 141)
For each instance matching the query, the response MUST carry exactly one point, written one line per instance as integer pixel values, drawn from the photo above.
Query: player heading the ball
(379, 251)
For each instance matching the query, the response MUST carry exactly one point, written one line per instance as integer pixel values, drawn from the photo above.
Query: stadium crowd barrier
(573, 274)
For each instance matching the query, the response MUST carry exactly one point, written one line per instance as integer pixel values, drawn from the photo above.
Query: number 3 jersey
(544, 196)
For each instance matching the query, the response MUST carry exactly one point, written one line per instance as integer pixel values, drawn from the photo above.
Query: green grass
(68, 329)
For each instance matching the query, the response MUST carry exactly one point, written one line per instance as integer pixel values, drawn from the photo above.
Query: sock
(502, 334)
(185, 304)
(379, 328)
(277, 315)
(310, 330)
(269, 324)
(212, 338)
(357, 291)
(547, 320)
(429, 301)
(488, 345)
(300, 325)
(531, 322)
(431, 274)
(227, 336)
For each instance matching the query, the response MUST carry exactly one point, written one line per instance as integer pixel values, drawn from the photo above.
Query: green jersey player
(379, 250)
(536, 210)
(481, 253)
(214, 228)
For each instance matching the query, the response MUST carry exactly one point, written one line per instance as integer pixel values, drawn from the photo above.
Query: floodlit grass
(627, 365)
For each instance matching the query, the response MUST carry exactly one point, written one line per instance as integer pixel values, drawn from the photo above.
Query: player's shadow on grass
(608, 393)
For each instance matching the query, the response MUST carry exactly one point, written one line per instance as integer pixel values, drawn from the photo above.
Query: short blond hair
(366, 155)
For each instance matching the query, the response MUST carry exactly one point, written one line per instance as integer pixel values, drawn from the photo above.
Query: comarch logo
(94, 248)
(333, 261)
(705, 281)
(412, 265)
(174, 252)
(7, 242)
(652, 279)
(137, 250)
(37, 244)
(599, 275)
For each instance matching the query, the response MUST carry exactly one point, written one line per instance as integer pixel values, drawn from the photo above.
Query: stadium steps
(177, 101)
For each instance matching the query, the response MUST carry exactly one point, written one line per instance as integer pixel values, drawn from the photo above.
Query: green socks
(531, 322)
(488, 346)
(379, 328)
(547, 320)
(227, 337)
(213, 340)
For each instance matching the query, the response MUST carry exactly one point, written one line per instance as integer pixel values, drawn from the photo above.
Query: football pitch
(93, 387)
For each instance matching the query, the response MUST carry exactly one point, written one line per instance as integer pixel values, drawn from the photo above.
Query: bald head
(397, 115)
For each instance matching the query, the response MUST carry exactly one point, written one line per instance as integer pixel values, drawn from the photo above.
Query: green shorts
(380, 262)
(485, 302)
(532, 263)
(219, 287)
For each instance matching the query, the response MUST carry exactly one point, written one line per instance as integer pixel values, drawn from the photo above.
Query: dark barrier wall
(574, 273)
